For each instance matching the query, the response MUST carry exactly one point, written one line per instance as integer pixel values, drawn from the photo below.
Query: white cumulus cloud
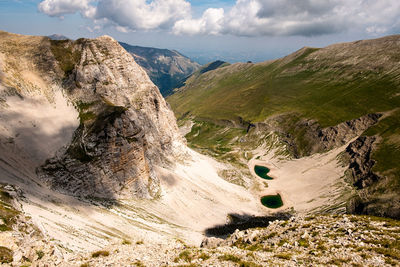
(244, 18)
(211, 22)
(142, 14)
(58, 8)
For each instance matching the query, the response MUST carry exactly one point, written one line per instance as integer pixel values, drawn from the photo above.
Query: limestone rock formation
(125, 125)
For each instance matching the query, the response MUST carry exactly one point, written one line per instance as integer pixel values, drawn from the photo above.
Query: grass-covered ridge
(331, 89)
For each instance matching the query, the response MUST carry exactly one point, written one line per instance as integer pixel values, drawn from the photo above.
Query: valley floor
(309, 184)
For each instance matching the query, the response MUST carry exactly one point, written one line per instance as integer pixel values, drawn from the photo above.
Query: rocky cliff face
(305, 137)
(372, 189)
(125, 125)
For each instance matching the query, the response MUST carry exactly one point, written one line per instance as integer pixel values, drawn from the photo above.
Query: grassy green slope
(331, 85)
(329, 89)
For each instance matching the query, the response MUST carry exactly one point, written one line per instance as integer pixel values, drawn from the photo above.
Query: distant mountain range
(166, 68)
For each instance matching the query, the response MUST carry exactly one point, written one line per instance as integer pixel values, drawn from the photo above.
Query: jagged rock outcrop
(367, 183)
(342, 133)
(125, 125)
(361, 163)
(306, 137)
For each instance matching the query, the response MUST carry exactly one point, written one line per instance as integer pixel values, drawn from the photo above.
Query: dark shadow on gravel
(243, 222)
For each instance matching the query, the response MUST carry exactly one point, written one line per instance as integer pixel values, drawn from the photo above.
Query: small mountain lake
(262, 172)
(272, 201)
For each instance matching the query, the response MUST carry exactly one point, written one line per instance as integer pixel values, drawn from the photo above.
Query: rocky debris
(211, 242)
(333, 240)
(21, 237)
(361, 162)
(125, 129)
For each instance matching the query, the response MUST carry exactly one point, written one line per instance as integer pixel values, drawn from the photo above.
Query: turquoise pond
(262, 172)
(272, 201)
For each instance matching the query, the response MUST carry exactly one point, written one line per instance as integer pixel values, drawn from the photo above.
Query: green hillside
(329, 86)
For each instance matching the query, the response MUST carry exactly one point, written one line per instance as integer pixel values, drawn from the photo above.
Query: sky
(206, 30)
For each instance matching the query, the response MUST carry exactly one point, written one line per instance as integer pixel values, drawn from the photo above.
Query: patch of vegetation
(102, 253)
(217, 140)
(248, 264)
(86, 116)
(139, 264)
(284, 256)
(388, 248)
(84, 265)
(185, 255)
(239, 261)
(282, 242)
(303, 243)
(229, 257)
(7, 212)
(40, 254)
(6, 255)
(204, 256)
(126, 242)
(66, 55)
(82, 106)
(309, 218)
(337, 261)
(270, 235)
(139, 242)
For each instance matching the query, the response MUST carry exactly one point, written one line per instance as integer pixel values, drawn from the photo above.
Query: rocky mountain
(166, 68)
(125, 125)
(312, 101)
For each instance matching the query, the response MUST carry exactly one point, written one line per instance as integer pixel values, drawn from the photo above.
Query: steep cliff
(125, 125)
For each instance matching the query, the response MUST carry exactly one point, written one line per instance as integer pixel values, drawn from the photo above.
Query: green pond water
(272, 201)
(262, 172)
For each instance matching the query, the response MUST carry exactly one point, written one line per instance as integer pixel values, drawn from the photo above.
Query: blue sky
(207, 30)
